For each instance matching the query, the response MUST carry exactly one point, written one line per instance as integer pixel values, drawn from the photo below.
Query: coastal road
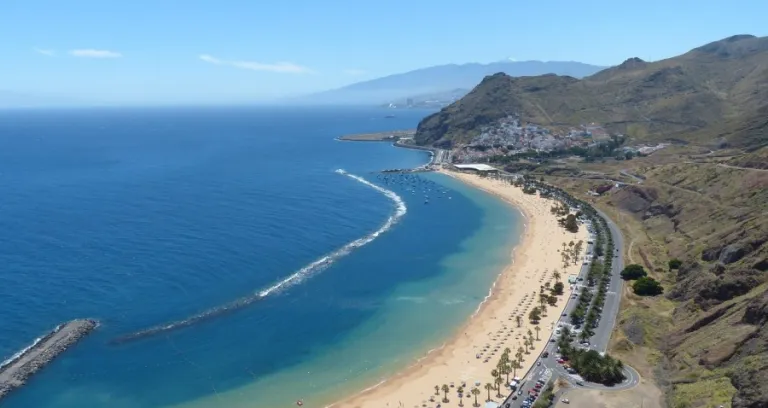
(549, 367)
(613, 297)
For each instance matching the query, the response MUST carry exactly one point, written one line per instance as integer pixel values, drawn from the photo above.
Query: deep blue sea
(143, 217)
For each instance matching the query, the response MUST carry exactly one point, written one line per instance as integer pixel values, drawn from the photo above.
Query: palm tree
(519, 320)
(538, 329)
(515, 365)
(446, 388)
(437, 390)
(494, 372)
(556, 275)
(460, 390)
(505, 371)
(520, 354)
(507, 351)
(498, 382)
(525, 343)
(530, 334)
(530, 342)
(475, 391)
(488, 387)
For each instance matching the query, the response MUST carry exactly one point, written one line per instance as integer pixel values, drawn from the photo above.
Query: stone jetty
(15, 372)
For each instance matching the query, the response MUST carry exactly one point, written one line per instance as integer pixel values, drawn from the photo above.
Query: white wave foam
(21, 352)
(294, 279)
(328, 260)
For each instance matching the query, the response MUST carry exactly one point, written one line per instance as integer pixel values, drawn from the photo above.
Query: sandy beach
(470, 355)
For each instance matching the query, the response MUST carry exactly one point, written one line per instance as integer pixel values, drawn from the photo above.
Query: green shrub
(646, 286)
(632, 272)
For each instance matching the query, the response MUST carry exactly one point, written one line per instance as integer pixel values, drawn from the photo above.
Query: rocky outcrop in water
(15, 372)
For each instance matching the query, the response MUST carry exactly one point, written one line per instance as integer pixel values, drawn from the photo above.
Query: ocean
(286, 265)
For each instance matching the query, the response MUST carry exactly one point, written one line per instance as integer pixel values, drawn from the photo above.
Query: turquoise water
(414, 318)
(144, 217)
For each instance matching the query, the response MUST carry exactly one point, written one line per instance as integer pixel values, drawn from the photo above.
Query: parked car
(545, 354)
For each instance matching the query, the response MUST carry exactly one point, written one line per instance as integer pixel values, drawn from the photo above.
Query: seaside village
(510, 137)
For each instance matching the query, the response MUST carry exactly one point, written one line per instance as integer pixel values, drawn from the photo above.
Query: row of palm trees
(504, 367)
(445, 389)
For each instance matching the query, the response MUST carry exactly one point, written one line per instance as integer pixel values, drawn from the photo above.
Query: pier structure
(15, 371)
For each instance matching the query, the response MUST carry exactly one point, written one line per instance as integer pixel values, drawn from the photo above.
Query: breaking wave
(297, 277)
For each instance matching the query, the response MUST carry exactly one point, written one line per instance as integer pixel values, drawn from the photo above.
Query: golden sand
(494, 327)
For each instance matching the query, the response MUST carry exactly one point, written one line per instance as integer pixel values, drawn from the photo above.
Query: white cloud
(46, 52)
(279, 67)
(354, 72)
(91, 53)
(512, 59)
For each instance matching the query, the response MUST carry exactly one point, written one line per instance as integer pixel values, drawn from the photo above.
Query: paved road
(613, 298)
(549, 367)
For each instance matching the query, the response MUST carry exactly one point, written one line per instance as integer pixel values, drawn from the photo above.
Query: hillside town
(510, 137)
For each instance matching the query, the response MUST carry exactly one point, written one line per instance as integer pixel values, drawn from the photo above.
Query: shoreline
(457, 359)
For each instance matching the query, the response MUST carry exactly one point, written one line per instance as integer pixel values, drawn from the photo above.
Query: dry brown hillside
(706, 339)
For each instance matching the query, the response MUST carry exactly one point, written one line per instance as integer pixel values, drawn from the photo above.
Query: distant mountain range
(443, 79)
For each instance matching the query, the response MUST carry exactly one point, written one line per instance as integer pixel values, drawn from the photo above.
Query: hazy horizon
(234, 52)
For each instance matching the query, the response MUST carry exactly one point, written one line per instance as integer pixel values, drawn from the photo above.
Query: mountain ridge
(442, 78)
(676, 98)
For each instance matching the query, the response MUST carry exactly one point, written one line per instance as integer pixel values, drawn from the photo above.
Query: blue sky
(230, 51)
